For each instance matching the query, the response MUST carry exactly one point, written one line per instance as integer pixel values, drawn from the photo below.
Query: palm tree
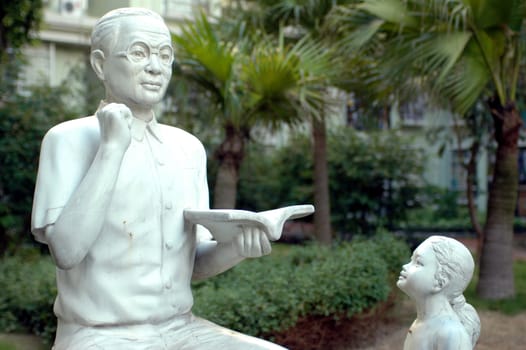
(253, 81)
(302, 18)
(461, 50)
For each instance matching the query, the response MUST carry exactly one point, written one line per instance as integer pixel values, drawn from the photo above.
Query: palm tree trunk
(496, 279)
(322, 215)
(230, 155)
(470, 181)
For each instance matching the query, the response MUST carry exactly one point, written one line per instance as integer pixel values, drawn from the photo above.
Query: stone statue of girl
(435, 279)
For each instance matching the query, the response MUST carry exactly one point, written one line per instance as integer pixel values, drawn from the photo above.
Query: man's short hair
(107, 29)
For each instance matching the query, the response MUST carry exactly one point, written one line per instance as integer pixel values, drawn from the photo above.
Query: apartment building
(63, 49)
(64, 37)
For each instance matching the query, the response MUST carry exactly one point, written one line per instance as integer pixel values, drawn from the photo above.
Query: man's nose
(154, 65)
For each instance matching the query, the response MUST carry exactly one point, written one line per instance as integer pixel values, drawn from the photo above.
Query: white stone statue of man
(109, 200)
(435, 279)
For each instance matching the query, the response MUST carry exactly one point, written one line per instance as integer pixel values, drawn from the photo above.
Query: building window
(412, 113)
(184, 8)
(73, 8)
(522, 166)
(365, 116)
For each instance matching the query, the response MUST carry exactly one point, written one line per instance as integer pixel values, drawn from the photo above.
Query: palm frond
(466, 82)
(305, 13)
(355, 28)
(518, 14)
(492, 13)
(287, 82)
(318, 68)
(268, 78)
(459, 46)
(394, 11)
(437, 53)
(199, 48)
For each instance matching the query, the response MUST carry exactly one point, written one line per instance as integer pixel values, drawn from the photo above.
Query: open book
(225, 224)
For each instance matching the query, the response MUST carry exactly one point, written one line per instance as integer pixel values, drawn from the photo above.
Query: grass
(509, 306)
(21, 342)
(6, 346)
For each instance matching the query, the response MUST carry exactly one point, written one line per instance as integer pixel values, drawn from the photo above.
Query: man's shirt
(140, 267)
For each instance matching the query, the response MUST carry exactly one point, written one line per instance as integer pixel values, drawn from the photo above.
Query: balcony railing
(178, 9)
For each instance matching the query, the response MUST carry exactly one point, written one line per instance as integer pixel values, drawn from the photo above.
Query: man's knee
(205, 335)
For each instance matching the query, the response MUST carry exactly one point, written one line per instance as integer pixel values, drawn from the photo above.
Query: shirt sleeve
(62, 165)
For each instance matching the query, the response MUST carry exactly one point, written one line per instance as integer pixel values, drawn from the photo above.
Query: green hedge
(24, 119)
(28, 290)
(257, 297)
(269, 294)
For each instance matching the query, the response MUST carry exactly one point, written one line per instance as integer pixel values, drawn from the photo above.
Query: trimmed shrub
(270, 294)
(394, 251)
(258, 297)
(28, 291)
(24, 119)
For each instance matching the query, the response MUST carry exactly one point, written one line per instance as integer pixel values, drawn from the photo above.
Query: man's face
(138, 68)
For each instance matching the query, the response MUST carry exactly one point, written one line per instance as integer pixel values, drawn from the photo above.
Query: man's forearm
(81, 220)
(213, 258)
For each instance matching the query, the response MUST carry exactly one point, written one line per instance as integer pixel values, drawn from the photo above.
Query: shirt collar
(139, 126)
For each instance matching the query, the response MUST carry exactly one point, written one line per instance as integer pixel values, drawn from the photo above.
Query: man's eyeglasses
(140, 52)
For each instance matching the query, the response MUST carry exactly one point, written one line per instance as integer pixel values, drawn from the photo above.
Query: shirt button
(168, 285)
(168, 205)
(169, 244)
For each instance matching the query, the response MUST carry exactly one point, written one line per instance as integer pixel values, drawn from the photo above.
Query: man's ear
(97, 63)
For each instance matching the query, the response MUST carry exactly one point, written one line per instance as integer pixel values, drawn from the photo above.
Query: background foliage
(28, 292)
(26, 113)
(304, 280)
(310, 280)
(17, 20)
(374, 178)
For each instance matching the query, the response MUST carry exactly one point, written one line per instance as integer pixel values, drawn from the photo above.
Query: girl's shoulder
(450, 333)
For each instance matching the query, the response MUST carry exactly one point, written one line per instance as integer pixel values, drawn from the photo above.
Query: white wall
(435, 130)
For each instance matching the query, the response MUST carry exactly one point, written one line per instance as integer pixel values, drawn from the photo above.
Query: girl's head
(455, 265)
(442, 265)
(439, 264)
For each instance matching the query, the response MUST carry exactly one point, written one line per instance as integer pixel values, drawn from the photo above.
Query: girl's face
(417, 278)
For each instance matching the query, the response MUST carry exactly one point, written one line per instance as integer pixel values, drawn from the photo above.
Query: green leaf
(466, 82)
(394, 11)
(432, 54)
(518, 14)
(491, 13)
(200, 50)
(364, 33)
